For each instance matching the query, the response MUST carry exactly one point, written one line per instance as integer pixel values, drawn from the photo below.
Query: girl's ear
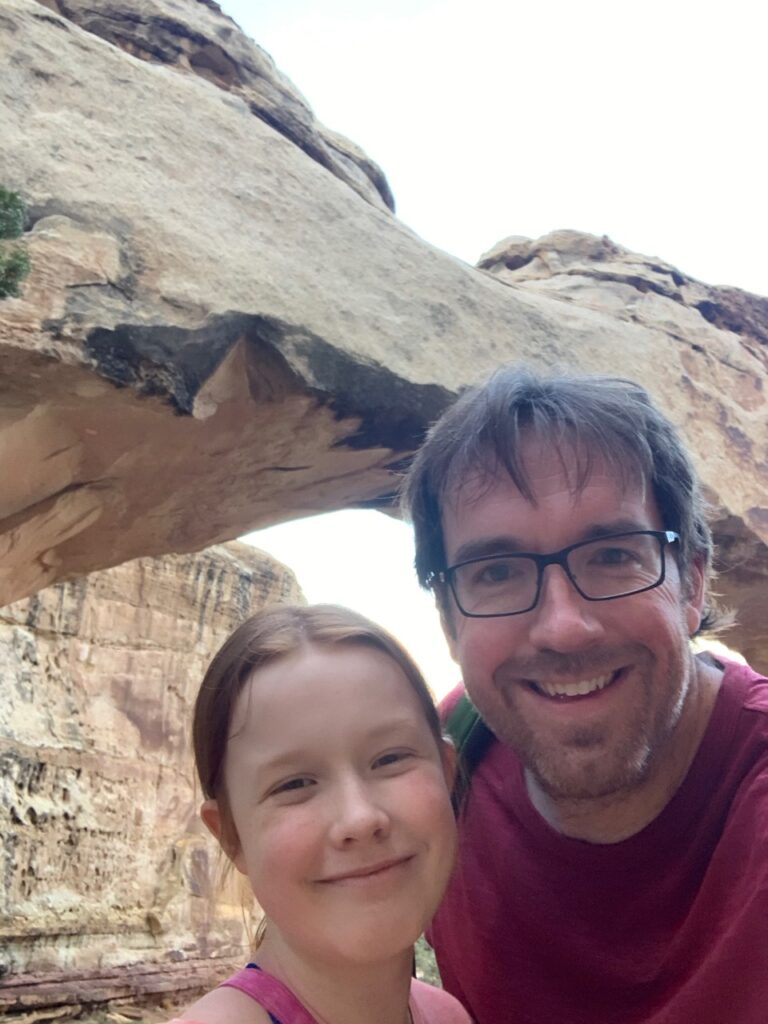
(449, 757)
(209, 812)
(213, 820)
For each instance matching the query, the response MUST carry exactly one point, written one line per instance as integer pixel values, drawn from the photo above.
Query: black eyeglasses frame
(445, 576)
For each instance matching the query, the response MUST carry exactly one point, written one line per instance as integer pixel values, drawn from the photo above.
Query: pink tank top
(276, 998)
(428, 1005)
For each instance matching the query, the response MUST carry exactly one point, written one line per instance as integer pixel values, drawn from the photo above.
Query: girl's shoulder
(223, 1006)
(432, 1005)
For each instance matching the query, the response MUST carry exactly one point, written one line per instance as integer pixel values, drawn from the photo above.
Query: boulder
(109, 880)
(219, 331)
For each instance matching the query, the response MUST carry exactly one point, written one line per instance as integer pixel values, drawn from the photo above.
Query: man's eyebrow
(626, 525)
(488, 547)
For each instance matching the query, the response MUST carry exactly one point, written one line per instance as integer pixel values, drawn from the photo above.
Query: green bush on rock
(11, 214)
(14, 262)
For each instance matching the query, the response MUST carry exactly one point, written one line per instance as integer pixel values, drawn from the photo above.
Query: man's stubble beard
(617, 763)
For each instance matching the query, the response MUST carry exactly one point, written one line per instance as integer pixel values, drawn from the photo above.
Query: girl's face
(339, 796)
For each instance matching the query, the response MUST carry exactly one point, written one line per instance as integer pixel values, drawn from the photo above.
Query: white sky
(645, 122)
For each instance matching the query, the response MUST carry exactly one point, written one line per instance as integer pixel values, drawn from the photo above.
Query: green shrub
(14, 267)
(11, 214)
(14, 263)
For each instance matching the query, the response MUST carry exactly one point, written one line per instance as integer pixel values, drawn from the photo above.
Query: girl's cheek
(287, 832)
(428, 794)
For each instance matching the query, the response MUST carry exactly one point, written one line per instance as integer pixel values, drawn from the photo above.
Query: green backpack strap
(471, 737)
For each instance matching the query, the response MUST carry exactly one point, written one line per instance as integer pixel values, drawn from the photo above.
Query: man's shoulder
(757, 695)
(747, 685)
(740, 751)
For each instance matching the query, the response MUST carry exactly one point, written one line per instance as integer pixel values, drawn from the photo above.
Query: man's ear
(696, 593)
(210, 812)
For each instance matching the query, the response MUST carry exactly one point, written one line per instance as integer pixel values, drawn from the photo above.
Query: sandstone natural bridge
(225, 326)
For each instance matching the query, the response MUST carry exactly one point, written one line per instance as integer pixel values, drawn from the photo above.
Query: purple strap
(271, 994)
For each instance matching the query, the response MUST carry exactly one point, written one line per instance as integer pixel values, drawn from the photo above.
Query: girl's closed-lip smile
(361, 874)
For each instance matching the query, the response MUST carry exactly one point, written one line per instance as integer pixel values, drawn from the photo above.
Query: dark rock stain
(175, 363)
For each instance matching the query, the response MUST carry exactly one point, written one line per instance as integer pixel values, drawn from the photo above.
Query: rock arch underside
(225, 326)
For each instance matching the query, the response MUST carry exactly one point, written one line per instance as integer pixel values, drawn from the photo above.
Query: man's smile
(560, 689)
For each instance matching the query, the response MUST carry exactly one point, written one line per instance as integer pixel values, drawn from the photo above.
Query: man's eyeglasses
(613, 566)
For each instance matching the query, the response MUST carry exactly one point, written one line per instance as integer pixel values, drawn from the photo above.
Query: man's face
(621, 668)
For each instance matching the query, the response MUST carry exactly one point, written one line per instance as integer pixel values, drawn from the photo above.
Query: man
(613, 863)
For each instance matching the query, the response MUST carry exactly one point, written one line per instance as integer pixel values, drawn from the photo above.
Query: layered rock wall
(104, 862)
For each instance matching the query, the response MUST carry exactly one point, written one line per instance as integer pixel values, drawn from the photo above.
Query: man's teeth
(579, 689)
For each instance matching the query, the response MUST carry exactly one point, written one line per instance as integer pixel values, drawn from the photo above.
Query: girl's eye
(293, 785)
(392, 757)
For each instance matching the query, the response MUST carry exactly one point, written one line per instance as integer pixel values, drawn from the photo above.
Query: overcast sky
(645, 122)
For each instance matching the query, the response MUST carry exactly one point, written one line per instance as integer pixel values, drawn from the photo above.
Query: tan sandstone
(105, 863)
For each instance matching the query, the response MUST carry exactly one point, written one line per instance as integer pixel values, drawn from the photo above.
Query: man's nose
(360, 813)
(563, 620)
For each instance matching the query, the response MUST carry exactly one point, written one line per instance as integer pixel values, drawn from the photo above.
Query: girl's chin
(379, 948)
(356, 950)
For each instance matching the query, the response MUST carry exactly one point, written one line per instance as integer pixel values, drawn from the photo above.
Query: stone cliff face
(104, 861)
(219, 331)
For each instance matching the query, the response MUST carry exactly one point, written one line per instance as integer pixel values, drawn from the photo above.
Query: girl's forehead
(314, 678)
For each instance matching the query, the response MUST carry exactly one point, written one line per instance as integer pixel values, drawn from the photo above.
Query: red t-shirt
(667, 927)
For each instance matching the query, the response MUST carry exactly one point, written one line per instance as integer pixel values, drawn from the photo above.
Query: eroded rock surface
(217, 333)
(104, 861)
(195, 36)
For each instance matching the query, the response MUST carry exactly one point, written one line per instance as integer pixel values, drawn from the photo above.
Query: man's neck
(624, 813)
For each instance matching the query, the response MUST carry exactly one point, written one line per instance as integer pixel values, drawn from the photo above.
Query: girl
(327, 784)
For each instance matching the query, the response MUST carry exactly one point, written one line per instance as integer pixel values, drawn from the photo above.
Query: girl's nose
(360, 815)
